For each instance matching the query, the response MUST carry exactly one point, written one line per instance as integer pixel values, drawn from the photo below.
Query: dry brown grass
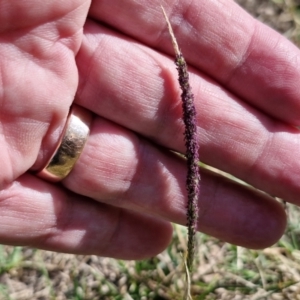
(282, 15)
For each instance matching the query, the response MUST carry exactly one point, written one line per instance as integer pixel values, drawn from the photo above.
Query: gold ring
(70, 146)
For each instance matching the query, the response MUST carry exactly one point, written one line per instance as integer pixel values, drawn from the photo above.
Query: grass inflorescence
(191, 144)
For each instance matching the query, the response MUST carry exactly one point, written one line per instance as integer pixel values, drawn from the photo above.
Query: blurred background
(223, 271)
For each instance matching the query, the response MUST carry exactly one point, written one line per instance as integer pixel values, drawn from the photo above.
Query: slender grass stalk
(187, 292)
(191, 144)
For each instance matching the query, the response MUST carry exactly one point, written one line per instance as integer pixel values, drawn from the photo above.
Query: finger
(42, 215)
(38, 79)
(221, 39)
(121, 169)
(136, 87)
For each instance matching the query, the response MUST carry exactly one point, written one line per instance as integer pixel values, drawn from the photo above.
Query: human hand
(244, 77)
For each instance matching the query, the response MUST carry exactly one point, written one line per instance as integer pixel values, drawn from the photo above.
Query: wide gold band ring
(70, 146)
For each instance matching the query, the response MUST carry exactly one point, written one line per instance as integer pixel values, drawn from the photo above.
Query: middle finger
(136, 87)
(120, 168)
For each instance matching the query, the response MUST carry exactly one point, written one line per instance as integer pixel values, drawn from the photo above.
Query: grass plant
(192, 148)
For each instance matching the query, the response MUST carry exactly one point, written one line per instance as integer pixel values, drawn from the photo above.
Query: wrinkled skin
(115, 58)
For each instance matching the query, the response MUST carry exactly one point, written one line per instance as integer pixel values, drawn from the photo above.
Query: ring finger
(122, 169)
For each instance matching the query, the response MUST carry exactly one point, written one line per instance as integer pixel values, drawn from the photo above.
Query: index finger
(222, 40)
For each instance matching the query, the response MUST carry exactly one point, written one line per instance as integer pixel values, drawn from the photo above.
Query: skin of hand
(117, 58)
